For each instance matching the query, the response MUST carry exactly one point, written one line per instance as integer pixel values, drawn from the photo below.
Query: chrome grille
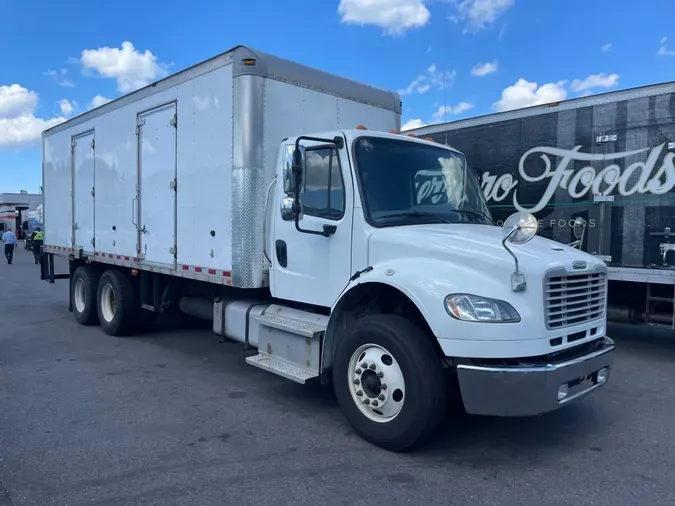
(571, 299)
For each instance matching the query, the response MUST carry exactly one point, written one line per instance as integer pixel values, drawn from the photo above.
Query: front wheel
(389, 382)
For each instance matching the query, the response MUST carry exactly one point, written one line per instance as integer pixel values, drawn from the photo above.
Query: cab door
(308, 267)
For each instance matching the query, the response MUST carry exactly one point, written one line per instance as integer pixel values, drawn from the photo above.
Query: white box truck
(240, 191)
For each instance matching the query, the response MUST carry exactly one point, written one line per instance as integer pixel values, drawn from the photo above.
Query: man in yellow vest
(38, 241)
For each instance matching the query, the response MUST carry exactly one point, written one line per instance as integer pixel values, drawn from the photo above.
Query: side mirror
(287, 211)
(294, 165)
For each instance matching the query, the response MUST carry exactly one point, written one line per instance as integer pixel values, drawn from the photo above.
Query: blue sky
(450, 59)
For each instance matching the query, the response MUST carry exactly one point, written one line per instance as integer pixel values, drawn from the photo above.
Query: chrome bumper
(527, 391)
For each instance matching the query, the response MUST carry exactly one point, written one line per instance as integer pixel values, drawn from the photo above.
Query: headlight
(472, 308)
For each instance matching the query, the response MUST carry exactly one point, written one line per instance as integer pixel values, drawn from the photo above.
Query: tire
(117, 303)
(84, 292)
(421, 408)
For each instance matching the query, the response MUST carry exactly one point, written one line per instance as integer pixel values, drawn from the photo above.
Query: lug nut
(383, 386)
(359, 393)
(380, 374)
(366, 401)
(364, 365)
(373, 367)
(375, 404)
(381, 397)
(357, 381)
(358, 371)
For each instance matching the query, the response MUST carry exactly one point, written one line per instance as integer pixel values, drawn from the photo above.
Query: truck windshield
(409, 183)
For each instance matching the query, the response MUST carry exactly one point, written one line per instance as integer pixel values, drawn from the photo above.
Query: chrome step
(304, 329)
(306, 325)
(282, 368)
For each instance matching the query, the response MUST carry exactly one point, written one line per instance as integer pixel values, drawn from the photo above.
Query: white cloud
(18, 125)
(60, 77)
(67, 108)
(432, 78)
(483, 69)
(393, 16)
(502, 32)
(16, 100)
(444, 110)
(131, 68)
(595, 81)
(411, 124)
(663, 50)
(606, 47)
(98, 101)
(526, 94)
(480, 14)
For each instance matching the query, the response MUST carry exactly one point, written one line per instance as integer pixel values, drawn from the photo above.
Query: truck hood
(472, 247)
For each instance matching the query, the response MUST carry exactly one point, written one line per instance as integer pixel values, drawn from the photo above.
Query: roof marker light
(361, 127)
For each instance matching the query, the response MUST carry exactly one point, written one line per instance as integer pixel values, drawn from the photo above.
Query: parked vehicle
(240, 192)
(606, 160)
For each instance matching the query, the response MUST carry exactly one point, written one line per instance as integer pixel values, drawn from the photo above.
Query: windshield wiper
(415, 214)
(472, 212)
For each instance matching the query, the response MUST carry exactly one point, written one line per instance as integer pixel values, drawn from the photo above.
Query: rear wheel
(117, 303)
(389, 382)
(84, 289)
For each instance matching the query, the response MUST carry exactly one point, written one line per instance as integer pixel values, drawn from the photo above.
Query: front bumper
(526, 390)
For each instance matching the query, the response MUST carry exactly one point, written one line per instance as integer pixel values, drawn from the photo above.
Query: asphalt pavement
(177, 418)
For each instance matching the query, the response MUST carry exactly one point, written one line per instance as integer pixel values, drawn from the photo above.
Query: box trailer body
(608, 159)
(173, 176)
(276, 201)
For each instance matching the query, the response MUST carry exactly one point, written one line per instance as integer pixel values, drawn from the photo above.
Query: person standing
(38, 241)
(9, 238)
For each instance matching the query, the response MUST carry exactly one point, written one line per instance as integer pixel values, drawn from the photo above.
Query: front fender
(426, 282)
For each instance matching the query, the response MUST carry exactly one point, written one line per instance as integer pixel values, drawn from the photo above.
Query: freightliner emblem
(578, 265)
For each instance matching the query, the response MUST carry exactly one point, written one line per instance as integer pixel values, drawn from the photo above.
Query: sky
(449, 59)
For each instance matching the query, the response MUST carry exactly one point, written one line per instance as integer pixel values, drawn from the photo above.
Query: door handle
(282, 253)
(133, 211)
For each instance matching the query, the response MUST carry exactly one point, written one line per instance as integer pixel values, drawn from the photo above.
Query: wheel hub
(372, 386)
(376, 383)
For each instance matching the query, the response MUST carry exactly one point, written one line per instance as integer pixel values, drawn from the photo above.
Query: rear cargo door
(157, 185)
(83, 166)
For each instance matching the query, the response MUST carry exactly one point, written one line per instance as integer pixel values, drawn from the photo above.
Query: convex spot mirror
(520, 227)
(579, 227)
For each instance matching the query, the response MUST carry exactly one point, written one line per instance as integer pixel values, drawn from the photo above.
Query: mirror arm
(518, 282)
(515, 258)
(339, 143)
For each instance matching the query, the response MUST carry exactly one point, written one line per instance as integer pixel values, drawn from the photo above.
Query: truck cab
(388, 242)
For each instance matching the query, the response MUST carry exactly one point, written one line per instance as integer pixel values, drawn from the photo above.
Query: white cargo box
(173, 177)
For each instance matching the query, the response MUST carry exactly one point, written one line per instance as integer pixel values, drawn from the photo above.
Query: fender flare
(397, 275)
